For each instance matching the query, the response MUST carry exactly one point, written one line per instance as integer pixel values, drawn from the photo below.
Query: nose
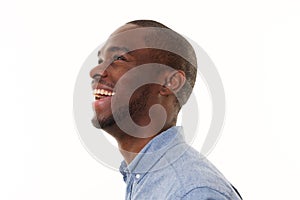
(99, 70)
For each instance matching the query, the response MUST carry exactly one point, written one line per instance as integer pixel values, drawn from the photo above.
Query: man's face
(115, 60)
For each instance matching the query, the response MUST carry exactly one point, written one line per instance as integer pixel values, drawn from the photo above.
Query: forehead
(126, 38)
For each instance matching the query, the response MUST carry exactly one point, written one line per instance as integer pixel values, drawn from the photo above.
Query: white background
(254, 44)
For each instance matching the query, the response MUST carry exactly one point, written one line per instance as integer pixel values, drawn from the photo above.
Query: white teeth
(103, 92)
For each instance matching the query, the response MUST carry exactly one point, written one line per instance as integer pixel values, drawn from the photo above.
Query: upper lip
(101, 86)
(96, 84)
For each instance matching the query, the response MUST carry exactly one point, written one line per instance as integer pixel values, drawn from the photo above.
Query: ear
(173, 82)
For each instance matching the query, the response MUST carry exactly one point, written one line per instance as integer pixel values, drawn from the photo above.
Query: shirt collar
(150, 157)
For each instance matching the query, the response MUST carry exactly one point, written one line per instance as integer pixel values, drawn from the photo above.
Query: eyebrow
(114, 49)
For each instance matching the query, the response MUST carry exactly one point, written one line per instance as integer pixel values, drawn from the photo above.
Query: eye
(117, 57)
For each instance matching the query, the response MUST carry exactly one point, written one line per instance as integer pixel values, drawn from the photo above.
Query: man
(145, 74)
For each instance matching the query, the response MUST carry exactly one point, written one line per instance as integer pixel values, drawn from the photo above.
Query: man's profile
(145, 74)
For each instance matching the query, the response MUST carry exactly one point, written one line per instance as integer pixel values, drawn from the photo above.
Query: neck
(129, 145)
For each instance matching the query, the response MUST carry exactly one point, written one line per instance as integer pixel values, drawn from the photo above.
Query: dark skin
(114, 62)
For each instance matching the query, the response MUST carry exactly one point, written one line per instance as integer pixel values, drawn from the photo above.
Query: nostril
(96, 77)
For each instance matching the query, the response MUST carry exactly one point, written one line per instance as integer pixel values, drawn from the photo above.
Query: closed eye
(121, 57)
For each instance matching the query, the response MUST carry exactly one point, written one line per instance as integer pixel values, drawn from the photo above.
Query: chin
(103, 123)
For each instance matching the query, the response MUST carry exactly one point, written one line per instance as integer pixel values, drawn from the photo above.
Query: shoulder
(196, 175)
(204, 193)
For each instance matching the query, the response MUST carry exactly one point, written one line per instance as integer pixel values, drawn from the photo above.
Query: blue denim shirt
(168, 168)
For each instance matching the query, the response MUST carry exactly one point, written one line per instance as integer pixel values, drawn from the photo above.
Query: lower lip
(101, 101)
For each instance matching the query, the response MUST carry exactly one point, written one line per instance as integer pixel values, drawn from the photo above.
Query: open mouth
(102, 93)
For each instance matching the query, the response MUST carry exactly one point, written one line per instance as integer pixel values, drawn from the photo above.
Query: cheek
(145, 94)
(126, 95)
(124, 83)
(137, 94)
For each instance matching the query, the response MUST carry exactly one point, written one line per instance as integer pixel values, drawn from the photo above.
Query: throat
(131, 147)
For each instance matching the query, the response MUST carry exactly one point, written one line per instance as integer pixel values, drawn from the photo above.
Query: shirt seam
(206, 187)
(178, 177)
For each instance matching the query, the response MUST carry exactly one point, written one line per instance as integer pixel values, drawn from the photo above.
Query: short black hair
(148, 23)
(166, 38)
